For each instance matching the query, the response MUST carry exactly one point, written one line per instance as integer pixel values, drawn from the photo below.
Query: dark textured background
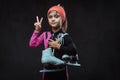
(93, 26)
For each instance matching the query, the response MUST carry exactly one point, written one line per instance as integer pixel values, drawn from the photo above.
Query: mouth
(53, 23)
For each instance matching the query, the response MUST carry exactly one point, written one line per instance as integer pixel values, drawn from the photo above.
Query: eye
(49, 16)
(57, 16)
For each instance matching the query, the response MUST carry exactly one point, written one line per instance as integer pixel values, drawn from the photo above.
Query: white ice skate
(48, 57)
(70, 60)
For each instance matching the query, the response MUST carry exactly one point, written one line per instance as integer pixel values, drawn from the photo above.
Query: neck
(55, 29)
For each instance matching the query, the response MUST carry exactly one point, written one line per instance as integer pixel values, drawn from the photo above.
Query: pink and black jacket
(67, 48)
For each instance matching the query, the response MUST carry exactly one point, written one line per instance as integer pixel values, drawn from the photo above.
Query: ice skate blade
(53, 70)
(61, 64)
(73, 64)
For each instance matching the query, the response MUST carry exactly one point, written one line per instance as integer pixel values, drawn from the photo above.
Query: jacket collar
(56, 33)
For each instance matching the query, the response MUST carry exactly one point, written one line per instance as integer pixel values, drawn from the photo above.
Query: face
(54, 19)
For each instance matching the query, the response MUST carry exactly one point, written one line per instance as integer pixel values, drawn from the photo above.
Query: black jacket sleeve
(68, 47)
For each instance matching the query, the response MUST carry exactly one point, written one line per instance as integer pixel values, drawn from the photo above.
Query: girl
(57, 20)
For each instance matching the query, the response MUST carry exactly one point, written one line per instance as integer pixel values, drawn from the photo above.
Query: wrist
(37, 30)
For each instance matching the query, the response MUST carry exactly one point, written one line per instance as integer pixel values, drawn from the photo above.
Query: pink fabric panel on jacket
(37, 39)
(46, 39)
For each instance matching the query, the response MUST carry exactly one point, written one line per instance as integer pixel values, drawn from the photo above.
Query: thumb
(57, 40)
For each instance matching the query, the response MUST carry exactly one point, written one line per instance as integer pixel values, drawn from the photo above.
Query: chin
(54, 25)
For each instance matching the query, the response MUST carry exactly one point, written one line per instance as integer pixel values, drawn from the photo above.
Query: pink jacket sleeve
(36, 39)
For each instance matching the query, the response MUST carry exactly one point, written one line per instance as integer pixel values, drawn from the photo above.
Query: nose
(53, 19)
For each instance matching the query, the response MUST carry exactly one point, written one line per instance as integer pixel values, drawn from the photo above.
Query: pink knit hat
(60, 10)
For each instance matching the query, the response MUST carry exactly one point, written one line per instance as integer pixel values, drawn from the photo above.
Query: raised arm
(36, 37)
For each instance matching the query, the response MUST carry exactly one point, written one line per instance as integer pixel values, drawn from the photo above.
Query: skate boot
(49, 58)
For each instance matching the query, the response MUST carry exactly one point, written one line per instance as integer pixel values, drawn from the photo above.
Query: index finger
(41, 19)
(57, 39)
(37, 18)
(50, 40)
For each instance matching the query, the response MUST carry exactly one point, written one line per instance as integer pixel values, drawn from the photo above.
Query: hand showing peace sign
(38, 24)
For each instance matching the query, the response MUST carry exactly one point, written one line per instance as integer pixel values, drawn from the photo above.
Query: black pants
(59, 75)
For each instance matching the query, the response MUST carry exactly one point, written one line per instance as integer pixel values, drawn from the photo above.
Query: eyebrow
(55, 13)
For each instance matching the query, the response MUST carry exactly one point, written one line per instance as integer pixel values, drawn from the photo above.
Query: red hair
(60, 10)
